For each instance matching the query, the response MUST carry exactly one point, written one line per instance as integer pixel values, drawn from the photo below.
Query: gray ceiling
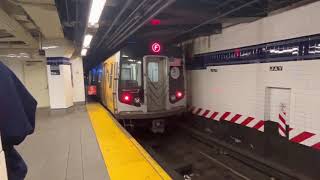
(124, 21)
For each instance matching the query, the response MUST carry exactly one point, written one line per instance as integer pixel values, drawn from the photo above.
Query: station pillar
(60, 81)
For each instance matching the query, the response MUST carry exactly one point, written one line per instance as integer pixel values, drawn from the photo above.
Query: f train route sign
(156, 47)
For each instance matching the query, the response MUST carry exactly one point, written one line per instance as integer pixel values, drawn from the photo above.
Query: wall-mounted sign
(213, 70)
(55, 70)
(276, 68)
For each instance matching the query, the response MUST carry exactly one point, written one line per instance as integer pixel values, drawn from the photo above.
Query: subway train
(141, 85)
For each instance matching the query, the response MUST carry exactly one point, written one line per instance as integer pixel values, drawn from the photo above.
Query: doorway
(278, 107)
(36, 81)
(156, 82)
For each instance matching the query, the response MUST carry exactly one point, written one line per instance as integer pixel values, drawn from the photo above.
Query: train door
(104, 84)
(110, 86)
(155, 72)
(278, 107)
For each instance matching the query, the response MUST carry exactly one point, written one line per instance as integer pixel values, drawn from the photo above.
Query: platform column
(60, 77)
(60, 82)
(78, 80)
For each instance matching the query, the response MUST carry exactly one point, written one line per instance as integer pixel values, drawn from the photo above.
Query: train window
(90, 78)
(153, 71)
(130, 73)
(110, 76)
(99, 76)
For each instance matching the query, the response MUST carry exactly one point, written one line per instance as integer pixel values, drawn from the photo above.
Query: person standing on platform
(17, 120)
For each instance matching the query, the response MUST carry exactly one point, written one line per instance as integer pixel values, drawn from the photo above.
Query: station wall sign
(276, 68)
(55, 70)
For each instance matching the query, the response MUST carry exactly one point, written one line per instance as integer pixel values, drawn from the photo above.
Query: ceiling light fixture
(84, 52)
(87, 40)
(96, 9)
(49, 47)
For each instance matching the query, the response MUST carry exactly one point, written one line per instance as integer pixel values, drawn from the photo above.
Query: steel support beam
(14, 28)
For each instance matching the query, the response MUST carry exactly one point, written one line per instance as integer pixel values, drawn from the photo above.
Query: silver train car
(142, 87)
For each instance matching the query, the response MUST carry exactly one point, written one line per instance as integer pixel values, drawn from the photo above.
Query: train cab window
(130, 74)
(153, 71)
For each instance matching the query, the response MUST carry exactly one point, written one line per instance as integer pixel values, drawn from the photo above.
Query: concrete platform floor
(63, 147)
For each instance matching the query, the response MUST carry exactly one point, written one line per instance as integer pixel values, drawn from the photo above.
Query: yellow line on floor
(124, 157)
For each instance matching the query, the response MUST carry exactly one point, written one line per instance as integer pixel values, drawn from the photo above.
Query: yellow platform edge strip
(124, 157)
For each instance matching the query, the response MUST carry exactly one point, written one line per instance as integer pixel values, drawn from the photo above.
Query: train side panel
(109, 83)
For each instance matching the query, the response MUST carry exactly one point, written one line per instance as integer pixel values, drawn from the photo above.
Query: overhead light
(49, 47)
(84, 52)
(96, 9)
(87, 40)
(11, 55)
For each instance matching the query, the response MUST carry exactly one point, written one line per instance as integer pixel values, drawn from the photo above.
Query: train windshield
(130, 73)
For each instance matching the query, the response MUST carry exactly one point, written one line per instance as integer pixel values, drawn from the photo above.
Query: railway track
(186, 155)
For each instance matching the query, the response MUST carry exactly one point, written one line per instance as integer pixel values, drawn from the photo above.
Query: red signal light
(155, 22)
(156, 47)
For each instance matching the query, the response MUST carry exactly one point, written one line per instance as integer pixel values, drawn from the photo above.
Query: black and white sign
(213, 70)
(276, 68)
(175, 72)
(55, 70)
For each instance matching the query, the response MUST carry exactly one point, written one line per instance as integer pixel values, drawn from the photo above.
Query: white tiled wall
(242, 88)
(33, 75)
(298, 22)
(3, 169)
(78, 80)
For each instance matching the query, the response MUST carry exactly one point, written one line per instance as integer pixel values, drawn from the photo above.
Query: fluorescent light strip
(87, 40)
(97, 7)
(84, 52)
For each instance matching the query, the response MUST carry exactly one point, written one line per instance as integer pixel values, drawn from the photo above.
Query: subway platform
(85, 143)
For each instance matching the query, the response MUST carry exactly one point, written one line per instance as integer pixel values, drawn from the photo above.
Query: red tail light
(179, 95)
(92, 90)
(126, 98)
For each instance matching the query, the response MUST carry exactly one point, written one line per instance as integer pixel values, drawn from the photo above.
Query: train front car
(149, 86)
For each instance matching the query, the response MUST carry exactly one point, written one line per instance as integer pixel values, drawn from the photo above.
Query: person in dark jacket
(17, 120)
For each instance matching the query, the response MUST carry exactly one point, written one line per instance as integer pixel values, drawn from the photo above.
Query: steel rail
(246, 154)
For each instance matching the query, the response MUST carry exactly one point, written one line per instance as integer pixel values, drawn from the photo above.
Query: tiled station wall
(33, 74)
(242, 88)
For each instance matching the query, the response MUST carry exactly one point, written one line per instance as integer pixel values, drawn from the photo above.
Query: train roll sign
(156, 47)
